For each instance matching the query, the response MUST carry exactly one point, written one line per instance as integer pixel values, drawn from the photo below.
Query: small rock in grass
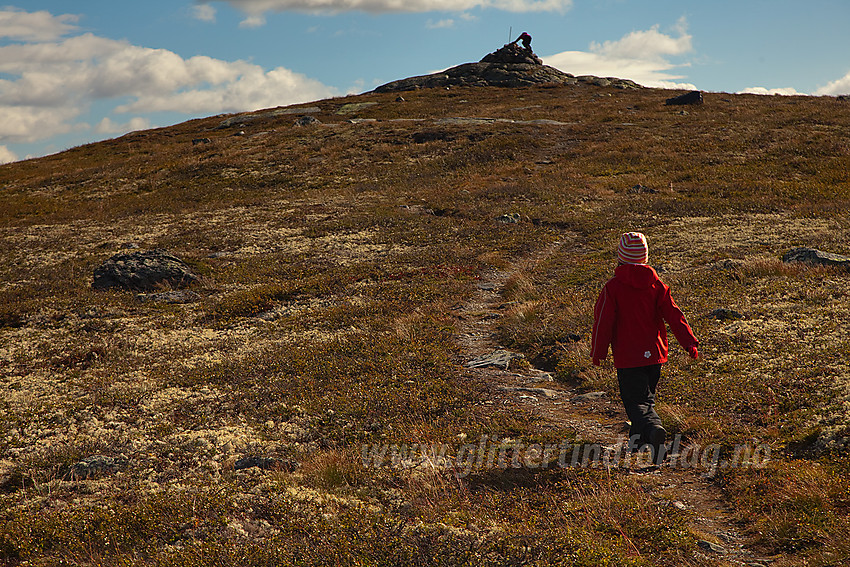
(723, 314)
(512, 218)
(816, 257)
(693, 97)
(96, 466)
(307, 121)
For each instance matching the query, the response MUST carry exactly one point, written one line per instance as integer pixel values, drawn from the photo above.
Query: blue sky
(77, 72)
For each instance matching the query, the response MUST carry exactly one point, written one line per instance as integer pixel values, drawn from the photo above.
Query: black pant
(637, 390)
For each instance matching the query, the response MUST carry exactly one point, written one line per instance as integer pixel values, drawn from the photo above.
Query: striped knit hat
(633, 248)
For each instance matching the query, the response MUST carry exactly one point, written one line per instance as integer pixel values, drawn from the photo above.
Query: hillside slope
(351, 264)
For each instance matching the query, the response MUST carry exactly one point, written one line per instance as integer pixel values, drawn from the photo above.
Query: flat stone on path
(498, 358)
(712, 547)
(589, 397)
(545, 392)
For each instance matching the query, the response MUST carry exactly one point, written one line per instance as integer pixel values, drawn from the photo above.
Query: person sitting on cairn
(525, 39)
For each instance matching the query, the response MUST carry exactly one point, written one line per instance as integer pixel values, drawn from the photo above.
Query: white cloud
(649, 45)
(7, 155)
(440, 24)
(381, 6)
(790, 91)
(642, 56)
(251, 89)
(48, 85)
(837, 87)
(34, 26)
(253, 22)
(204, 13)
(108, 126)
(30, 123)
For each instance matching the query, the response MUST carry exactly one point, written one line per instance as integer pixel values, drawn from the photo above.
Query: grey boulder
(143, 271)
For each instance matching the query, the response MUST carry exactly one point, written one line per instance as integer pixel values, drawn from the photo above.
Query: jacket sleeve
(676, 319)
(604, 314)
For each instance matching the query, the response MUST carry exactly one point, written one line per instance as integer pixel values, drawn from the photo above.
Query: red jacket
(630, 314)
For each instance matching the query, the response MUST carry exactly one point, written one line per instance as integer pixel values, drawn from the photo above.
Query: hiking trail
(598, 419)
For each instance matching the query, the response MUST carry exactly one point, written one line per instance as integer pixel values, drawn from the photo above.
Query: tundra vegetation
(335, 259)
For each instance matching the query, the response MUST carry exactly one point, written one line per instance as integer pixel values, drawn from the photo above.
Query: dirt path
(598, 420)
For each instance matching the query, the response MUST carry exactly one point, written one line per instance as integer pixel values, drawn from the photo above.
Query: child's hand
(693, 352)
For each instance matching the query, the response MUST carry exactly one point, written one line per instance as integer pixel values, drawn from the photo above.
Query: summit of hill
(508, 66)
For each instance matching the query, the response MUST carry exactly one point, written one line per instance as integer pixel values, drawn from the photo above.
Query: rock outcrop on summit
(510, 66)
(512, 54)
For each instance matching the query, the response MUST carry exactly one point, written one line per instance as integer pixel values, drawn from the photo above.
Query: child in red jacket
(630, 315)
